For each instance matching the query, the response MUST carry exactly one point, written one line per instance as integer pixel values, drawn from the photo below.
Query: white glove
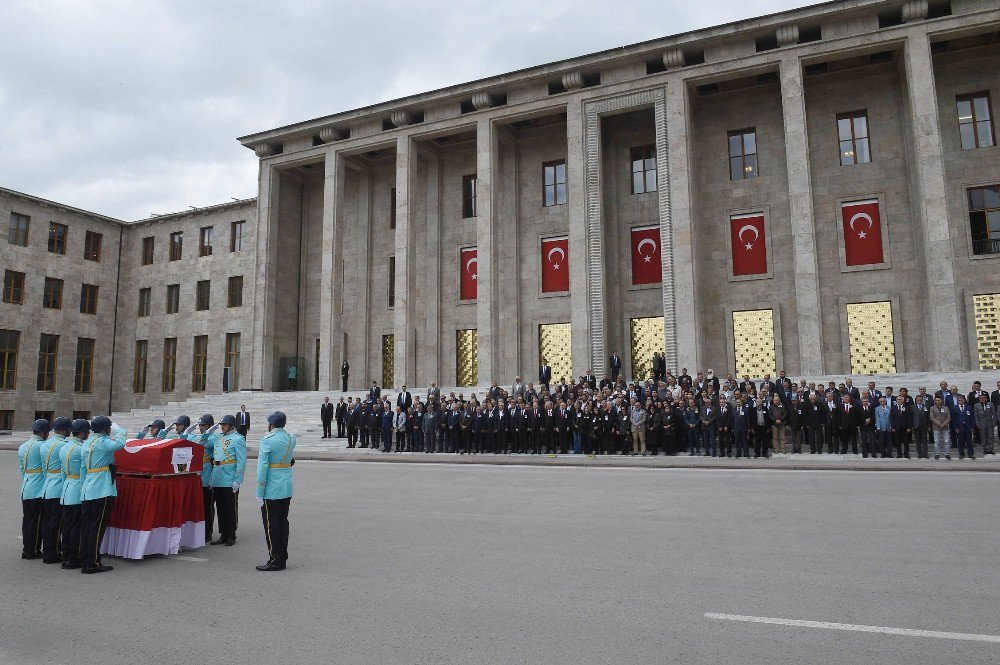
(190, 430)
(236, 487)
(117, 429)
(260, 502)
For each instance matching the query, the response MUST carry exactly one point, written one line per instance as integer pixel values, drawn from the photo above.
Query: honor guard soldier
(29, 459)
(180, 428)
(51, 510)
(71, 507)
(154, 430)
(274, 488)
(230, 461)
(98, 492)
(207, 438)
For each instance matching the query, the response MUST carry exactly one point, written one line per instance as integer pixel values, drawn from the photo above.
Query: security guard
(274, 488)
(29, 458)
(230, 461)
(51, 510)
(98, 492)
(154, 430)
(207, 437)
(72, 468)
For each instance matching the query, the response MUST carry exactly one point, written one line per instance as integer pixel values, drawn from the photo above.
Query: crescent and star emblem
(468, 267)
(556, 250)
(756, 235)
(646, 257)
(865, 216)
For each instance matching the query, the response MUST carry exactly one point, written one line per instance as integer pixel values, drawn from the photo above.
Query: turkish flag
(749, 248)
(862, 233)
(469, 270)
(646, 263)
(555, 264)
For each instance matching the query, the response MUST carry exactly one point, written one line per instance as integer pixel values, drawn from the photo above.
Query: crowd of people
(68, 483)
(698, 415)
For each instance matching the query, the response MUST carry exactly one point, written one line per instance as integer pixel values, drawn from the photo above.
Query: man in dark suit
(849, 420)
(374, 392)
(243, 421)
(831, 424)
(592, 380)
(353, 419)
(616, 366)
(404, 399)
(326, 415)
(345, 370)
(873, 395)
(815, 421)
(901, 426)
(341, 416)
(855, 394)
(545, 374)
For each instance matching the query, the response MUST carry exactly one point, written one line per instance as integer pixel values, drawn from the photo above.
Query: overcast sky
(132, 108)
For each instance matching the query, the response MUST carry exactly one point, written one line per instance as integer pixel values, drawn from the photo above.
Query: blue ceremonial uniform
(50, 452)
(30, 462)
(98, 455)
(51, 510)
(208, 460)
(274, 492)
(230, 457)
(70, 500)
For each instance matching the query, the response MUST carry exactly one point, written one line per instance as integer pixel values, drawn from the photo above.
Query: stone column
(800, 203)
(431, 280)
(487, 302)
(586, 242)
(364, 275)
(262, 369)
(330, 286)
(403, 331)
(927, 166)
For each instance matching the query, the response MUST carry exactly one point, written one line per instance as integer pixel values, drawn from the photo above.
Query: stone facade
(351, 202)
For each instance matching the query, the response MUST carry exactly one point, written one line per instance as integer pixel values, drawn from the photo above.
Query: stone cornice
(46, 203)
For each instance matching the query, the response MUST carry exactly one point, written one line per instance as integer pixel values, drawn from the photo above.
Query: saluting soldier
(98, 492)
(274, 489)
(230, 461)
(70, 500)
(51, 510)
(30, 461)
(207, 437)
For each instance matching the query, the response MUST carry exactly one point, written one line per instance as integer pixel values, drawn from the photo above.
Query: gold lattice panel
(555, 345)
(388, 361)
(647, 339)
(753, 340)
(467, 357)
(987, 314)
(869, 327)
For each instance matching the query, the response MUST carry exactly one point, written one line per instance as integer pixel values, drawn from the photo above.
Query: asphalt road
(481, 564)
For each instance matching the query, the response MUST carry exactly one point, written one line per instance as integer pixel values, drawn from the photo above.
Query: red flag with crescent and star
(469, 270)
(862, 233)
(555, 265)
(749, 248)
(646, 263)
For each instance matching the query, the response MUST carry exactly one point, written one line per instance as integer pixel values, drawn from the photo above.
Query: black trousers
(274, 513)
(94, 522)
(31, 526)
(51, 523)
(340, 428)
(920, 438)
(242, 429)
(343, 381)
(849, 436)
(326, 428)
(71, 516)
(352, 437)
(226, 503)
(206, 496)
(902, 440)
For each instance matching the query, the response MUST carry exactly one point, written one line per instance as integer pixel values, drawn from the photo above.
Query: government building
(816, 191)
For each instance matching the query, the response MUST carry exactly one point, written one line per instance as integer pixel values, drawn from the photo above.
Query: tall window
(145, 295)
(975, 120)
(48, 353)
(205, 241)
(469, 196)
(169, 365)
(235, 291)
(6, 420)
(984, 219)
(81, 415)
(644, 169)
(237, 236)
(148, 250)
(199, 363)
(176, 245)
(173, 298)
(83, 379)
(233, 359)
(554, 190)
(88, 299)
(392, 208)
(139, 369)
(52, 296)
(743, 154)
(202, 295)
(57, 238)
(92, 246)
(17, 234)
(9, 342)
(392, 282)
(852, 129)
(13, 287)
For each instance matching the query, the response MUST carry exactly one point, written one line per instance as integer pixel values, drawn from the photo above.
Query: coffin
(159, 457)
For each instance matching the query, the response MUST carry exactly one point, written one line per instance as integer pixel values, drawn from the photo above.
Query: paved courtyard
(449, 563)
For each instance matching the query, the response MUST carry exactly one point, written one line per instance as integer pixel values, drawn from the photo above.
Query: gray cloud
(128, 109)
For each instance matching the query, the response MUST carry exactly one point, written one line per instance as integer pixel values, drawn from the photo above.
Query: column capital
(914, 10)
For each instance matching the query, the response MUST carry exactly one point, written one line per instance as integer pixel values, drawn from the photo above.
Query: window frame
(851, 117)
(470, 189)
(58, 283)
(391, 283)
(205, 235)
(48, 365)
(237, 236)
(199, 364)
(176, 246)
(993, 245)
(173, 298)
(145, 302)
(88, 304)
(742, 133)
(9, 356)
(13, 287)
(971, 98)
(91, 242)
(554, 165)
(168, 378)
(15, 234)
(148, 252)
(56, 242)
(140, 366)
(647, 152)
(231, 358)
(83, 375)
(203, 291)
(230, 292)
(392, 208)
